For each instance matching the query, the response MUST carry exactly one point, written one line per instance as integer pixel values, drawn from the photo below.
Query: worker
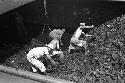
(49, 50)
(34, 55)
(56, 35)
(75, 40)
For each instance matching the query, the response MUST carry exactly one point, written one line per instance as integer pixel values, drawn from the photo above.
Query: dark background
(61, 14)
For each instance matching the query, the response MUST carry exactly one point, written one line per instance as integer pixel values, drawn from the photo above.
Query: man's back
(37, 52)
(78, 32)
(53, 44)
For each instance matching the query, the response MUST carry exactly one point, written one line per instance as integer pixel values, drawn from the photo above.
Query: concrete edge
(31, 76)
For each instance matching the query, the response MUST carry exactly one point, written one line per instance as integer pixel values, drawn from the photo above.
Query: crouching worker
(75, 40)
(34, 55)
(54, 45)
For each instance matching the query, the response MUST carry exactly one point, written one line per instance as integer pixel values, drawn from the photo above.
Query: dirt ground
(104, 62)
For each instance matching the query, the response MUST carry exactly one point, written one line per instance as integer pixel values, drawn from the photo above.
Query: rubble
(104, 62)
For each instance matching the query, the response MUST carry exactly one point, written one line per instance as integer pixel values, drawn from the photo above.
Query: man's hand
(83, 33)
(54, 63)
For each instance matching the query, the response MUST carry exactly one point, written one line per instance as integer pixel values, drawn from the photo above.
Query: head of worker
(56, 33)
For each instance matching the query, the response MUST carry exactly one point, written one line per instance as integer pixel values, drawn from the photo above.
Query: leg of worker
(60, 53)
(81, 43)
(70, 48)
(38, 64)
(74, 41)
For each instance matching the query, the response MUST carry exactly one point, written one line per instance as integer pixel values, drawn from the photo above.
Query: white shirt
(37, 52)
(78, 33)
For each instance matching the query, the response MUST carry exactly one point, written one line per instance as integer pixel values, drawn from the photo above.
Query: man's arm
(89, 26)
(49, 57)
(58, 45)
(82, 26)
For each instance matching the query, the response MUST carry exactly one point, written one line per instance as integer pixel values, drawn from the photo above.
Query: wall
(7, 5)
(60, 12)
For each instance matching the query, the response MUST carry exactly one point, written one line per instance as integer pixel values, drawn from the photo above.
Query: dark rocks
(104, 63)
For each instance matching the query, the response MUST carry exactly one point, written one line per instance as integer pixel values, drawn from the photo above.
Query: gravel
(104, 63)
